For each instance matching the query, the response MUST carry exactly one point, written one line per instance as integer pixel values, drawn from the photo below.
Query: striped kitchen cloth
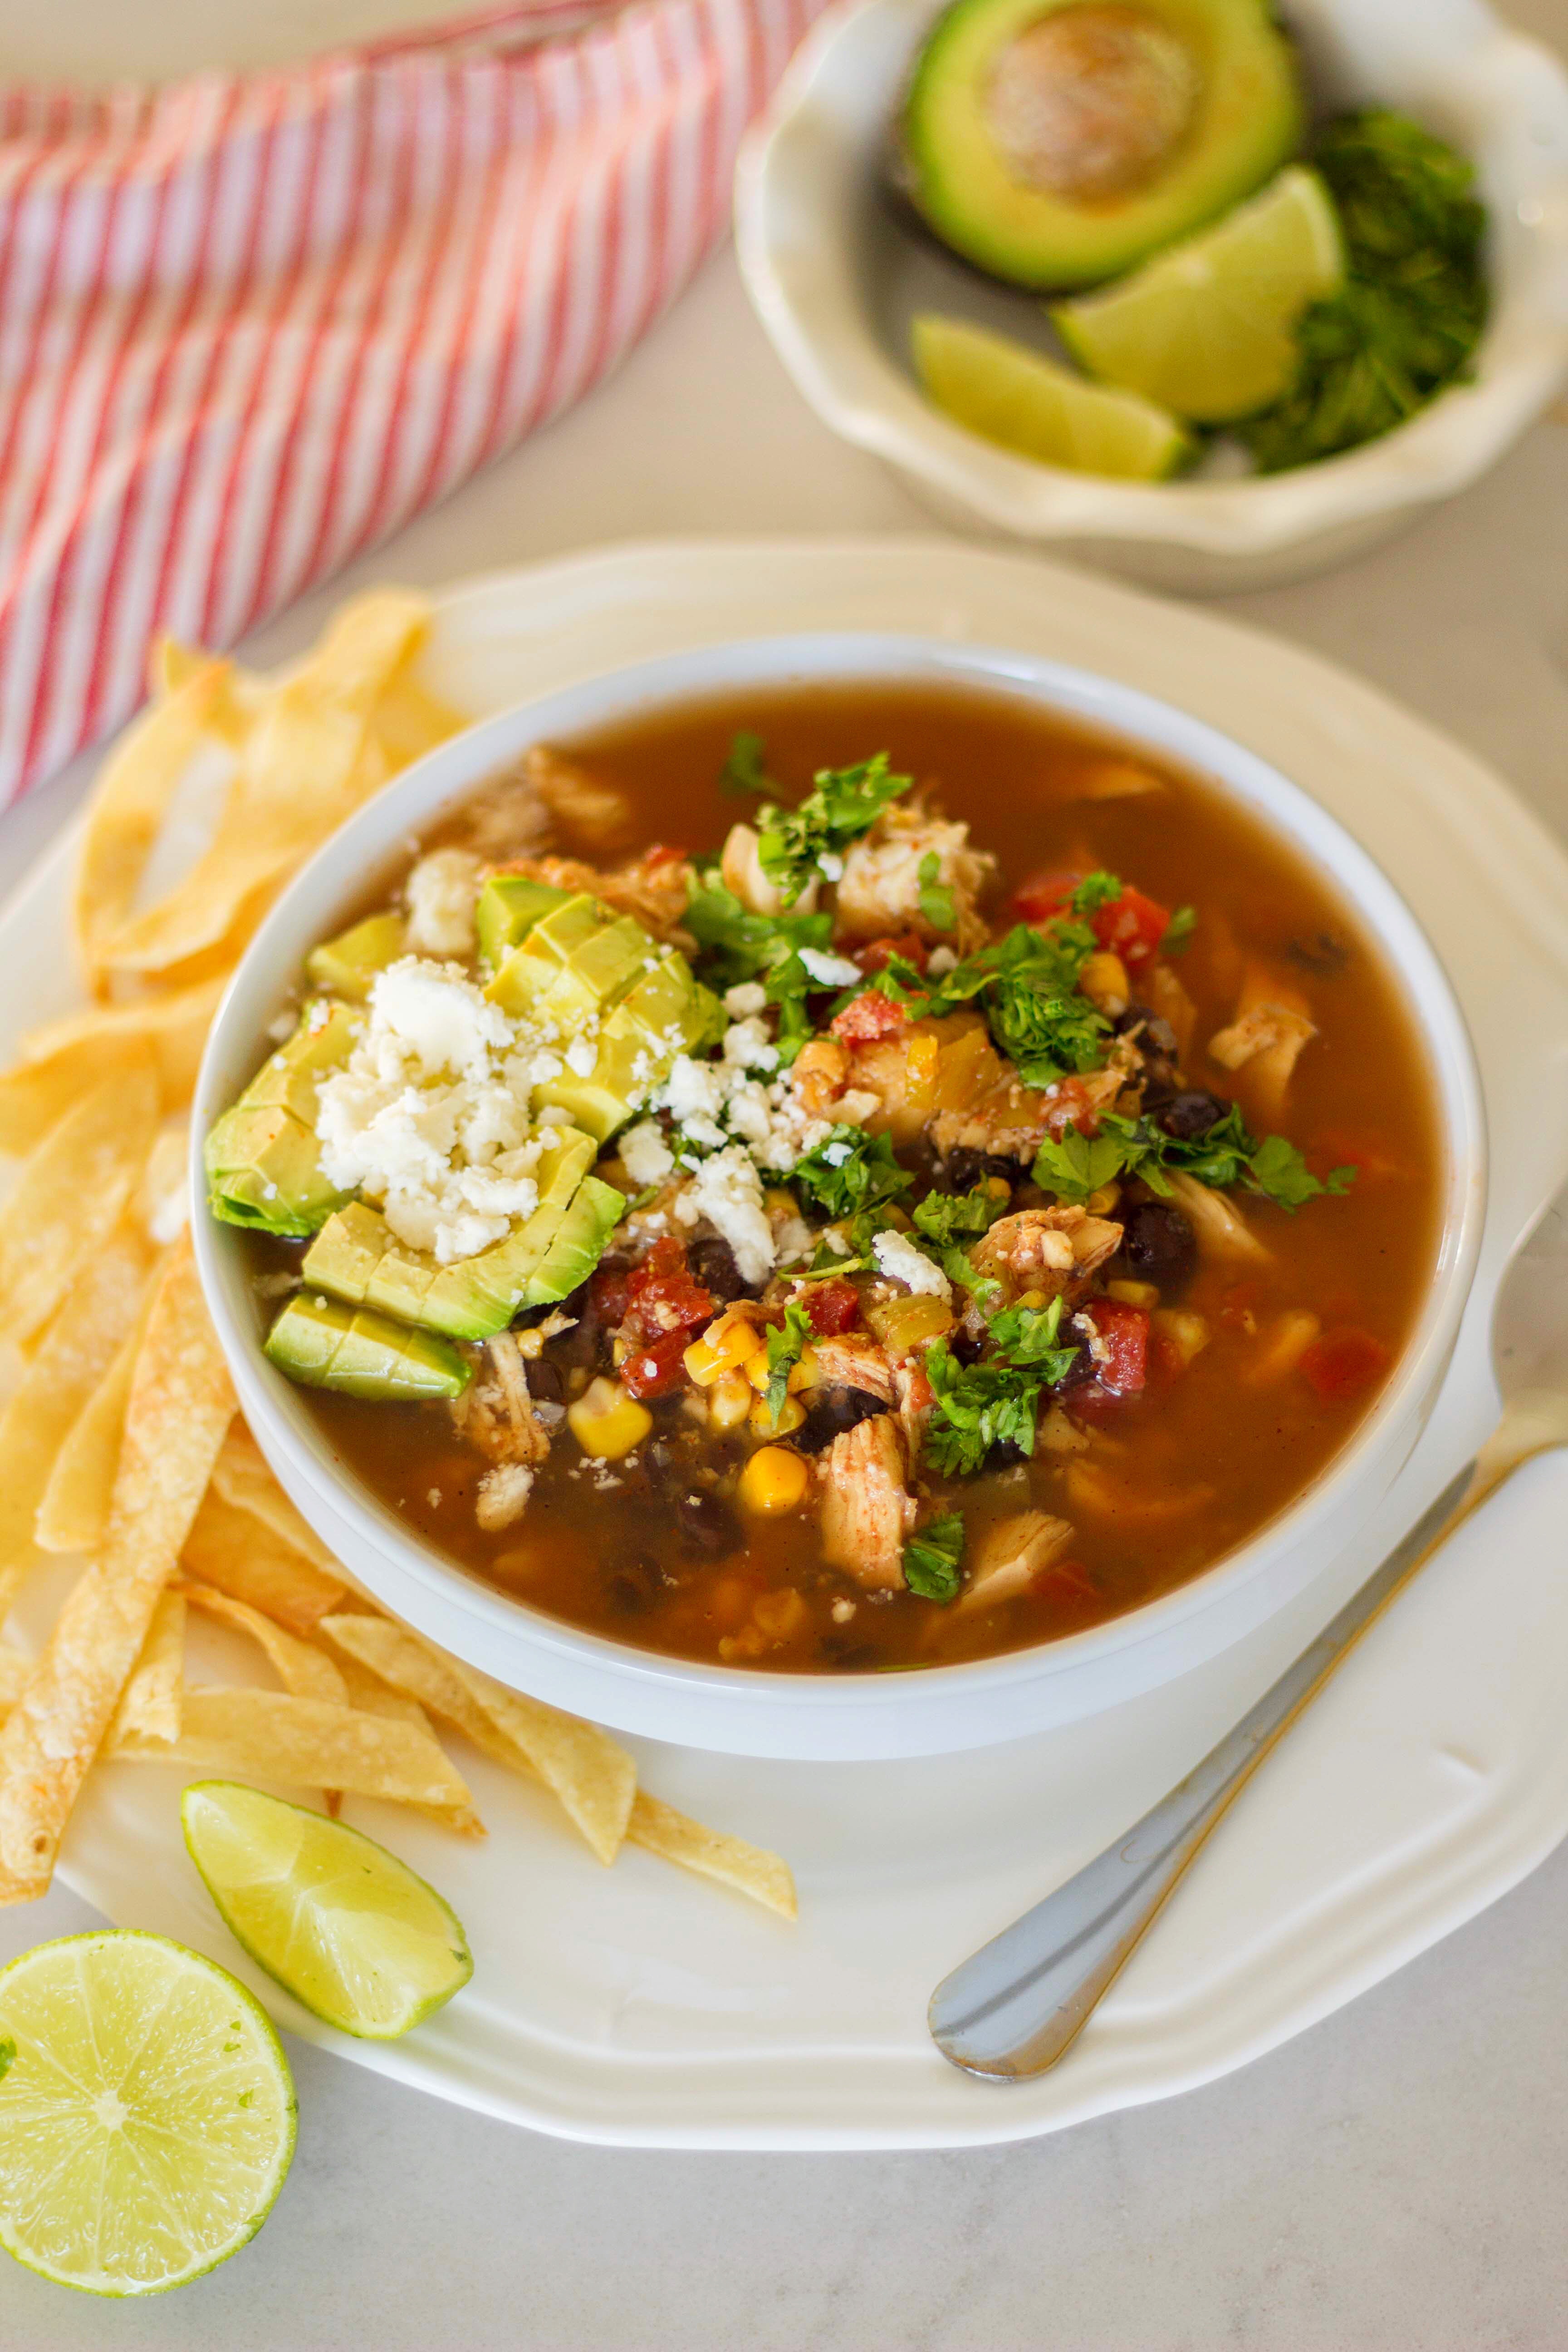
(251, 323)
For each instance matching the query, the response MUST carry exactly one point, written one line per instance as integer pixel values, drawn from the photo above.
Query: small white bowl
(835, 270)
(825, 1716)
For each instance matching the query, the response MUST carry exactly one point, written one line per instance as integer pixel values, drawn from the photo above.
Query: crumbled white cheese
(436, 1017)
(836, 1154)
(440, 894)
(503, 1495)
(901, 1261)
(728, 1191)
(831, 864)
(748, 1046)
(940, 961)
(833, 972)
(581, 1055)
(747, 996)
(645, 1155)
(693, 1088)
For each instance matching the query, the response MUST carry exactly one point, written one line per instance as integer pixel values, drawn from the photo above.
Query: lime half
(347, 1928)
(1011, 396)
(146, 2112)
(1209, 328)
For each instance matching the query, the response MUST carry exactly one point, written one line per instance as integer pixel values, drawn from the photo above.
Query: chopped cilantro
(848, 1171)
(1078, 1165)
(1031, 1335)
(995, 1401)
(1097, 890)
(1074, 1166)
(945, 1219)
(1027, 985)
(843, 804)
(936, 897)
(745, 770)
(786, 1342)
(1179, 931)
(931, 1558)
(736, 946)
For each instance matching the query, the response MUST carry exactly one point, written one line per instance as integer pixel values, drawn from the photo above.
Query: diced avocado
(596, 1211)
(349, 963)
(262, 1162)
(1060, 142)
(358, 1259)
(510, 905)
(598, 972)
(527, 970)
(667, 1014)
(324, 1345)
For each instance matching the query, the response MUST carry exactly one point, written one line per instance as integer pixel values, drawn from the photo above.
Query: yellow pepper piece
(606, 1422)
(729, 1341)
(774, 1481)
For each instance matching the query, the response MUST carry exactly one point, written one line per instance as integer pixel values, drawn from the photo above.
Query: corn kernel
(1182, 1335)
(730, 1399)
(1134, 1294)
(780, 1614)
(774, 1481)
(1103, 980)
(791, 1414)
(606, 1422)
(806, 1374)
(531, 1343)
(1101, 1204)
(729, 1341)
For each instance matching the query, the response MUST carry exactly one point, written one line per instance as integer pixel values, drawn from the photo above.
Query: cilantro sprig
(1025, 983)
(936, 900)
(995, 1401)
(933, 1556)
(843, 804)
(850, 1171)
(1073, 1166)
(745, 770)
(786, 1342)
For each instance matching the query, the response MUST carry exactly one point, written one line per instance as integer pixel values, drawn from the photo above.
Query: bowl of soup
(838, 1197)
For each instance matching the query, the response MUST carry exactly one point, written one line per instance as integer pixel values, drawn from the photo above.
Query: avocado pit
(1091, 103)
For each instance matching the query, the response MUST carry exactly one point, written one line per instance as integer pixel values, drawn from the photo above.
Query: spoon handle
(1013, 2008)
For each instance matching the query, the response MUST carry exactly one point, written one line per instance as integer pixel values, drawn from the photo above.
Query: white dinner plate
(644, 2008)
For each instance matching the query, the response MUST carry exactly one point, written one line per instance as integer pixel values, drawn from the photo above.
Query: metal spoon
(1017, 2004)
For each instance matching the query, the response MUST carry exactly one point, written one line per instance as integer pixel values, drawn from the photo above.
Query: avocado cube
(262, 1162)
(509, 907)
(526, 970)
(599, 971)
(596, 1210)
(356, 1257)
(349, 964)
(325, 1345)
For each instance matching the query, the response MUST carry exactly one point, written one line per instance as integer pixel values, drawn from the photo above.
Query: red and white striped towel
(251, 323)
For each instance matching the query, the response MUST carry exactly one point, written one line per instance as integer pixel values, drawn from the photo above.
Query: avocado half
(1060, 142)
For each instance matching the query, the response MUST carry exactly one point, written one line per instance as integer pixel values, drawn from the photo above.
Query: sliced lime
(146, 2112)
(1208, 329)
(1012, 396)
(347, 1928)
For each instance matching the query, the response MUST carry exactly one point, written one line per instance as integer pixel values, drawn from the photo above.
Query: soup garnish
(827, 1252)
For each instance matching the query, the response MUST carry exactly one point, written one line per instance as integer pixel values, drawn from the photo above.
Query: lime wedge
(1208, 329)
(1010, 395)
(146, 2112)
(342, 1924)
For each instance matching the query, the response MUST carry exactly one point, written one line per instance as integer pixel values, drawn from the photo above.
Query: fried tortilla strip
(150, 1704)
(73, 1510)
(749, 1869)
(59, 1064)
(368, 1691)
(302, 1669)
(589, 1772)
(126, 812)
(242, 1477)
(98, 1316)
(407, 722)
(261, 1735)
(72, 1193)
(240, 1554)
(315, 725)
(15, 1669)
(181, 1404)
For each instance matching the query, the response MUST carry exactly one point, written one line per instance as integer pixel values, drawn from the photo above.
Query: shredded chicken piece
(1259, 1031)
(1115, 779)
(503, 1496)
(496, 1413)
(1222, 1232)
(654, 890)
(596, 814)
(1009, 1556)
(852, 1363)
(1271, 1026)
(741, 871)
(866, 1509)
(879, 892)
(1053, 1250)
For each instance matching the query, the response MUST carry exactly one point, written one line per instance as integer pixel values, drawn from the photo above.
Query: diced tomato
(831, 1307)
(1070, 1105)
(869, 1017)
(663, 853)
(908, 945)
(1344, 1363)
(919, 1390)
(607, 1293)
(1043, 896)
(657, 1370)
(1065, 1581)
(1130, 927)
(1125, 1331)
(662, 1294)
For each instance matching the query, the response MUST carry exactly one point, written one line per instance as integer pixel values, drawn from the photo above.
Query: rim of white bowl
(803, 287)
(334, 880)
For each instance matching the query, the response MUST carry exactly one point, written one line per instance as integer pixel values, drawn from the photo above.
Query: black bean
(1080, 1370)
(636, 1585)
(576, 1349)
(1158, 1242)
(1192, 1114)
(713, 1263)
(962, 1169)
(546, 1381)
(830, 1412)
(1322, 954)
(707, 1523)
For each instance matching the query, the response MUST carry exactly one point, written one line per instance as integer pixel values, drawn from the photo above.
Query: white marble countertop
(1392, 2177)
